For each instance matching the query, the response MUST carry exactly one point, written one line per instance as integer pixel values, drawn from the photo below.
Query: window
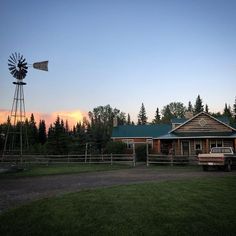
(198, 144)
(216, 143)
(129, 143)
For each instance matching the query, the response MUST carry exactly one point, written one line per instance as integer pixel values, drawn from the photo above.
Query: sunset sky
(119, 52)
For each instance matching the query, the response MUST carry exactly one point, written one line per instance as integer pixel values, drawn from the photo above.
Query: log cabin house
(182, 137)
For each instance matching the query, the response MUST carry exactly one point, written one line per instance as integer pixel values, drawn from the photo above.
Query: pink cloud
(72, 117)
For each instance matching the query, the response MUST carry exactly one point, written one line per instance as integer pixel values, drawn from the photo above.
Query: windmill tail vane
(43, 65)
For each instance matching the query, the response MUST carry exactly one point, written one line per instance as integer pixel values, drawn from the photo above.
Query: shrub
(141, 152)
(115, 147)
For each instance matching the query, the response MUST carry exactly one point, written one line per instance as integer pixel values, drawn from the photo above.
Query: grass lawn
(54, 169)
(192, 207)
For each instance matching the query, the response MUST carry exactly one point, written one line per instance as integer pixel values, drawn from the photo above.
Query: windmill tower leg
(16, 140)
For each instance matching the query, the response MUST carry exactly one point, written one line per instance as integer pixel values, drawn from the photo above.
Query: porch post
(178, 147)
(207, 145)
(158, 146)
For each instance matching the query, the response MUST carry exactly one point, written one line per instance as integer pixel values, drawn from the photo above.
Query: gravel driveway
(14, 192)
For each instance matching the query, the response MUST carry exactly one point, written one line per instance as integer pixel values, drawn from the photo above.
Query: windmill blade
(12, 62)
(12, 58)
(16, 56)
(43, 65)
(24, 71)
(11, 67)
(14, 73)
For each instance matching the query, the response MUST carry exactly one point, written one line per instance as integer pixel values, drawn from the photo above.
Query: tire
(228, 166)
(205, 168)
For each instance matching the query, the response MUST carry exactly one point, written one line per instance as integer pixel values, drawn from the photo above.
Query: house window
(216, 143)
(198, 145)
(129, 143)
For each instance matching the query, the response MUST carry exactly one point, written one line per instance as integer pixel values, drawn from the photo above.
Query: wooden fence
(171, 159)
(56, 159)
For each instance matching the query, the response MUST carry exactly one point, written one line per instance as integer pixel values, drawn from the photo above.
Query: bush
(141, 152)
(115, 147)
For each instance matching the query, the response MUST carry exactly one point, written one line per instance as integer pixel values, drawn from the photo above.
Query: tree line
(93, 134)
(179, 110)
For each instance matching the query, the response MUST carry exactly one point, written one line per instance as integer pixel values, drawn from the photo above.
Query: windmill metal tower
(16, 139)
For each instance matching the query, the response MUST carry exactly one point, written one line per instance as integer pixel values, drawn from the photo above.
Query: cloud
(72, 117)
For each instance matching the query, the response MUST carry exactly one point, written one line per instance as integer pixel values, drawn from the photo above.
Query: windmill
(16, 136)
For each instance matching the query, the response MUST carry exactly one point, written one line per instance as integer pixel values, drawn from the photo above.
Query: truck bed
(211, 159)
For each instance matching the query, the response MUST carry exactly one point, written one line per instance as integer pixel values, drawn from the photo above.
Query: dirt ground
(14, 192)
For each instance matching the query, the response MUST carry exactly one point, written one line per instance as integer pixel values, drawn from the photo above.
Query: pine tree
(234, 110)
(42, 132)
(128, 119)
(142, 118)
(206, 108)
(58, 140)
(190, 107)
(198, 105)
(227, 111)
(32, 131)
(157, 118)
(166, 115)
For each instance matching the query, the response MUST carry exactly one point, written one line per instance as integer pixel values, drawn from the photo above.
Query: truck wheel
(228, 166)
(205, 168)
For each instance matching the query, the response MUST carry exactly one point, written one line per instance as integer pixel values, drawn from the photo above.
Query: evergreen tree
(32, 131)
(166, 115)
(142, 118)
(190, 107)
(58, 140)
(157, 118)
(42, 132)
(128, 119)
(206, 108)
(234, 110)
(198, 105)
(227, 111)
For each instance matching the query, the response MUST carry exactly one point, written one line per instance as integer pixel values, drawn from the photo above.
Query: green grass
(55, 169)
(193, 207)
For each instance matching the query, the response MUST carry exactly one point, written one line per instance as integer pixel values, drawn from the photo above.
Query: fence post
(171, 160)
(111, 159)
(147, 154)
(134, 159)
(86, 152)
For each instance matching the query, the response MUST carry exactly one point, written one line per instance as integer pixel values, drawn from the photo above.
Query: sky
(119, 52)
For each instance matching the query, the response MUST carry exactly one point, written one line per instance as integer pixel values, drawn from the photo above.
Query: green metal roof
(140, 131)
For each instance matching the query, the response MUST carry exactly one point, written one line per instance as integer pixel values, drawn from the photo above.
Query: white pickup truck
(220, 157)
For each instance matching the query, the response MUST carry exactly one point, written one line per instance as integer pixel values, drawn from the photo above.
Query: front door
(185, 148)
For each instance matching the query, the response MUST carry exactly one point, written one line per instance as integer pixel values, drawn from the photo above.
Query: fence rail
(171, 159)
(47, 159)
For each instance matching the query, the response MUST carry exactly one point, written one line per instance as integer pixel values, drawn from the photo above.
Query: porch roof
(199, 135)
